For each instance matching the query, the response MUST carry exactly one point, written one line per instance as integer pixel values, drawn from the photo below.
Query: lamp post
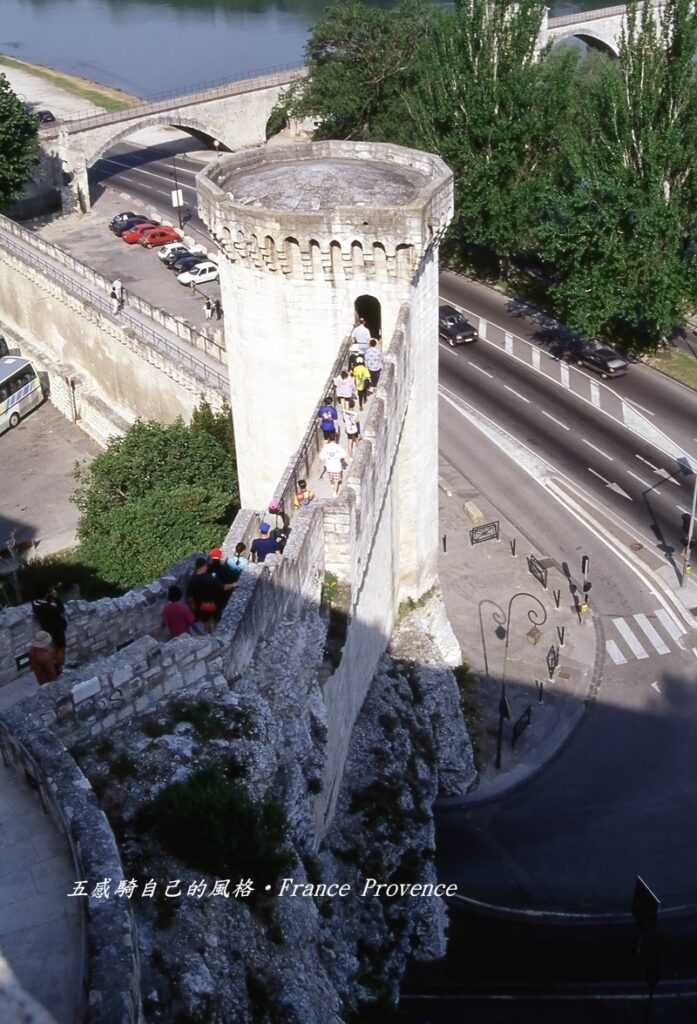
(503, 622)
(686, 567)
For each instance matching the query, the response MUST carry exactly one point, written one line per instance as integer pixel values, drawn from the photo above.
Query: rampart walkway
(40, 927)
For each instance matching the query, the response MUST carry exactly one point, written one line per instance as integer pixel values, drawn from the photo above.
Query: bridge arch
(95, 148)
(595, 41)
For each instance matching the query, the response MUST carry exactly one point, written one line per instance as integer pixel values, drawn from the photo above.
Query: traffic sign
(177, 197)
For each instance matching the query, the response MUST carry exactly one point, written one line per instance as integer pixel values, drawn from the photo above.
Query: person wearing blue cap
(263, 545)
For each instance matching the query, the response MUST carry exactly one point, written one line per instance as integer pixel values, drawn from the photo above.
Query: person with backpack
(49, 612)
(361, 375)
(205, 595)
(303, 495)
(218, 570)
(328, 417)
(238, 562)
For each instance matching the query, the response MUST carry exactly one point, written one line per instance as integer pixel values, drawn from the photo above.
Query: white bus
(20, 390)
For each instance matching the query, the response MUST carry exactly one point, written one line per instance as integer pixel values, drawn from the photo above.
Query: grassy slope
(101, 95)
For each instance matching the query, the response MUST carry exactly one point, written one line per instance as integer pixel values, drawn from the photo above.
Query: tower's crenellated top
(318, 210)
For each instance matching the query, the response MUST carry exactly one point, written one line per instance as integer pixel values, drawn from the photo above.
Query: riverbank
(102, 96)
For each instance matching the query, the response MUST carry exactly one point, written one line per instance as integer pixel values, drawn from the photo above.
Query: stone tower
(311, 235)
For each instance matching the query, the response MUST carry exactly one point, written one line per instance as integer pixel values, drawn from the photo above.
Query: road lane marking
(683, 510)
(670, 627)
(654, 638)
(694, 651)
(646, 462)
(656, 687)
(477, 367)
(659, 470)
(615, 653)
(642, 482)
(517, 394)
(142, 170)
(605, 481)
(629, 638)
(598, 450)
(630, 401)
(552, 418)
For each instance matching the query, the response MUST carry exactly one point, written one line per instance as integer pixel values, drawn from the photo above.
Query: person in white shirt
(374, 360)
(361, 335)
(345, 388)
(351, 425)
(334, 458)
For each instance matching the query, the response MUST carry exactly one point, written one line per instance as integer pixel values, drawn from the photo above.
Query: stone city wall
(111, 972)
(105, 357)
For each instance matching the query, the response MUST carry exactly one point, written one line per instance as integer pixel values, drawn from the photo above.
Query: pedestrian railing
(97, 297)
(231, 87)
(600, 12)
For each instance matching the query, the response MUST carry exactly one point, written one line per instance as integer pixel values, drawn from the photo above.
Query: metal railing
(600, 12)
(98, 299)
(231, 87)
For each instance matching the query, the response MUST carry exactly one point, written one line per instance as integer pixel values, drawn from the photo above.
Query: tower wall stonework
(294, 260)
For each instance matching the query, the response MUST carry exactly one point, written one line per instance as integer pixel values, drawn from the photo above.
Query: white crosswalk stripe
(629, 638)
(657, 630)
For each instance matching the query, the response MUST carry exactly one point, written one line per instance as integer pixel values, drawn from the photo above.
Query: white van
(20, 390)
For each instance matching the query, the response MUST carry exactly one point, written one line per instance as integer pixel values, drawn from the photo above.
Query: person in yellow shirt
(361, 374)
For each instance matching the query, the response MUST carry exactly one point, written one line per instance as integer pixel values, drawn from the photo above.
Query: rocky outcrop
(302, 955)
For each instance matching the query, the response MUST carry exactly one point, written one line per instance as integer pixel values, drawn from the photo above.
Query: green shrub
(210, 823)
(63, 571)
(202, 717)
(471, 711)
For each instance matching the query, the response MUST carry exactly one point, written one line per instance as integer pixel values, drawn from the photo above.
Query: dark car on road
(453, 327)
(604, 361)
(127, 225)
(187, 262)
(121, 217)
(45, 117)
(176, 254)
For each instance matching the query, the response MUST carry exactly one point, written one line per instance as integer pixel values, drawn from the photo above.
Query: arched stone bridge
(597, 28)
(234, 114)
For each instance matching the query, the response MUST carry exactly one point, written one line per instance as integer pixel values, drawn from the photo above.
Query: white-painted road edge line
(543, 472)
(554, 419)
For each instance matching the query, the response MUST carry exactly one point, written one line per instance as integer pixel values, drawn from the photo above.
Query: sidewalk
(477, 581)
(40, 928)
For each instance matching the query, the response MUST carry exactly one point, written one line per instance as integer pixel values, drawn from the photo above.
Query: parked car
(186, 262)
(126, 225)
(453, 327)
(159, 236)
(604, 361)
(172, 247)
(121, 217)
(135, 233)
(45, 117)
(202, 273)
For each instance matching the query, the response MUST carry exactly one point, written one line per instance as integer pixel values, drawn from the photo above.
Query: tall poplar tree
(621, 217)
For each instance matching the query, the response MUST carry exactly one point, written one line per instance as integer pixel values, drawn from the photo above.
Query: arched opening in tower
(368, 307)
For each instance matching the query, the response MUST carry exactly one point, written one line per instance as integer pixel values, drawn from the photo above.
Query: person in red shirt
(176, 614)
(42, 658)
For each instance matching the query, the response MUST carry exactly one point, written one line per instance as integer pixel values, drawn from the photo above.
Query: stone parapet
(111, 975)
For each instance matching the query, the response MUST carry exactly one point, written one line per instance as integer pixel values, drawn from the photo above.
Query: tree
(154, 496)
(18, 144)
(483, 101)
(619, 221)
(217, 424)
(360, 60)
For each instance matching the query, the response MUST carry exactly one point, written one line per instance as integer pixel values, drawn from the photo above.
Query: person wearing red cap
(219, 571)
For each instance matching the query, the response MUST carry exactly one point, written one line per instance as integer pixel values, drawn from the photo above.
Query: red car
(161, 235)
(135, 233)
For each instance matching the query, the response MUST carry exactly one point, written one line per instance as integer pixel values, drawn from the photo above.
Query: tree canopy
(585, 162)
(18, 144)
(154, 496)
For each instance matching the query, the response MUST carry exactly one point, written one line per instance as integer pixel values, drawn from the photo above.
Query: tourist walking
(218, 570)
(208, 309)
(374, 360)
(42, 658)
(238, 562)
(204, 595)
(361, 335)
(361, 375)
(345, 388)
(177, 617)
(49, 612)
(328, 417)
(303, 495)
(115, 302)
(218, 307)
(117, 288)
(264, 544)
(334, 458)
(351, 426)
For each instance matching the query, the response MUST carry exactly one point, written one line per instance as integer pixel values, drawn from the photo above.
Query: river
(164, 46)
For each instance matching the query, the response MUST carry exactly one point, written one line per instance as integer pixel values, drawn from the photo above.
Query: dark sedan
(604, 361)
(453, 328)
(127, 225)
(176, 254)
(187, 262)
